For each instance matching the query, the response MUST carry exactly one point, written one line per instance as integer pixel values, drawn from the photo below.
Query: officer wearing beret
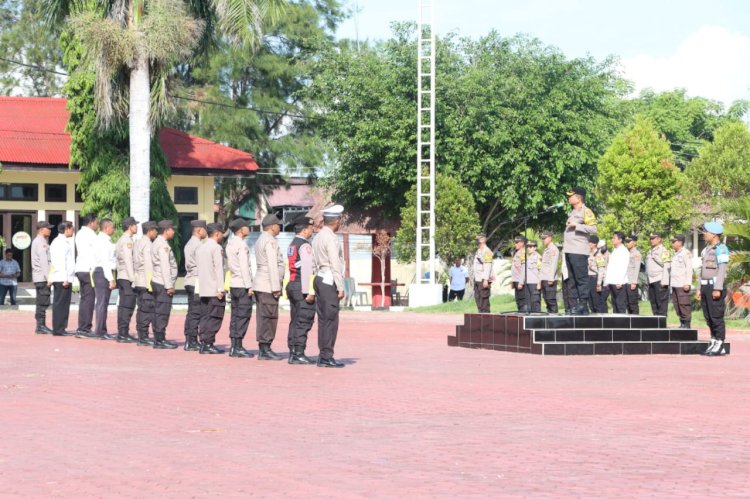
(240, 286)
(483, 275)
(634, 271)
(714, 262)
(300, 290)
(163, 282)
(192, 319)
(40, 268)
(548, 272)
(681, 280)
(580, 225)
(144, 271)
(125, 279)
(268, 278)
(210, 260)
(658, 260)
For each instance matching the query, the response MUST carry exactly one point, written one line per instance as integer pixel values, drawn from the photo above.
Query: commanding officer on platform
(40, 263)
(240, 286)
(518, 274)
(681, 280)
(634, 271)
(125, 279)
(299, 290)
(193, 317)
(548, 272)
(85, 243)
(483, 275)
(62, 272)
(715, 257)
(209, 258)
(580, 225)
(144, 271)
(163, 282)
(268, 278)
(104, 279)
(328, 259)
(657, 270)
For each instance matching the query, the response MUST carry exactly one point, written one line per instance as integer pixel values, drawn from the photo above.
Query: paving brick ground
(408, 416)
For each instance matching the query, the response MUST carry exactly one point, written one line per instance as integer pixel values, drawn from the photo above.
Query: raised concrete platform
(576, 335)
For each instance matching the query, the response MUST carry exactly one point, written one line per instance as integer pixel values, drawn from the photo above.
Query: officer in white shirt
(85, 243)
(104, 279)
(616, 276)
(62, 273)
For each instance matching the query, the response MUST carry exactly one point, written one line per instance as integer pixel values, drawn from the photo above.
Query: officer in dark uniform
(714, 261)
(210, 260)
(300, 290)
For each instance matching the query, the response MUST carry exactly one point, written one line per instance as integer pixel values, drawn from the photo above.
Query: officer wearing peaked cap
(163, 282)
(210, 261)
(483, 275)
(192, 319)
(658, 260)
(40, 269)
(126, 279)
(269, 276)
(580, 225)
(518, 274)
(634, 271)
(548, 272)
(240, 286)
(713, 292)
(144, 271)
(681, 280)
(299, 290)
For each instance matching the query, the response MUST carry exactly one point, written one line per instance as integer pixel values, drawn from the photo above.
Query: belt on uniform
(706, 282)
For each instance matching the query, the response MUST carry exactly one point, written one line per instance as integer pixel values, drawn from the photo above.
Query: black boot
(329, 363)
(125, 338)
(265, 352)
(209, 348)
(297, 356)
(41, 328)
(191, 344)
(238, 350)
(164, 344)
(145, 341)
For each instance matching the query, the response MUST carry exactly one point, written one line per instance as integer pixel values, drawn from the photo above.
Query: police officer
(483, 275)
(596, 269)
(658, 259)
(62, 272)
(192, 319)
(144, 271)
(126, 279)
(85, 243)
(299, 290)
(580, 225)
(602, 290)
(104, 279)
(40, 263)
(209, 258)
(616, 274)
(548, 272)
(533, 284)
(163, 282)
(328, 260)
(681, 280)
(268, 278)
(241, 286)
(518, 274)
(714, 260)
(634, 271)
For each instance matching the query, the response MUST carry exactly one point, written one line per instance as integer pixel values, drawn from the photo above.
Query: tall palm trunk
(140, 140)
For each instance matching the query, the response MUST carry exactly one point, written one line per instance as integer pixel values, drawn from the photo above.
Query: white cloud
(711, 62)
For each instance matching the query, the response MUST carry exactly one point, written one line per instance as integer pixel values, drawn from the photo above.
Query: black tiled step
(599, 321)
(617, 335)
(627, 348)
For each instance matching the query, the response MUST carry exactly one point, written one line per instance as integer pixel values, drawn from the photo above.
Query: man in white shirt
(85, 243)
(62, 272)
(104, 279)
(616, 276)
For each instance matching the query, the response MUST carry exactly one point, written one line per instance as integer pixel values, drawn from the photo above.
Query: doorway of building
(12, 223)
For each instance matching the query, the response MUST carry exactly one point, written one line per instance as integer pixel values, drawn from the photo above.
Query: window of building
(20, 192)
(185, 231)
(185, 195)
(56, 193)
(78, 197)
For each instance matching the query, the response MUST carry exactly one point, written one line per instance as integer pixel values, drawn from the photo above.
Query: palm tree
(133, 45)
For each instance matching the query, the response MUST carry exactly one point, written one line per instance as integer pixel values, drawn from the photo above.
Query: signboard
(21, 240)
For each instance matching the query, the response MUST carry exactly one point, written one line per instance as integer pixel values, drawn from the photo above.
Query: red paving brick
(408, 416)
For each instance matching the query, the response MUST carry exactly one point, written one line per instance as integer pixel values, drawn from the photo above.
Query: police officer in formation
(126, 279)
(163, 283)
(103, 276)
(85, 248)
(533, 285)
(518, 274)
(483, 275)
(580, 225)
(597, 267)
(548, 272)
(193, 316)
(240, 286)
(712, 293)
(634, 270)
(300, 291)
(62, 273)
(210, 260)
(40, 266)
(681, 280)
(658, 260)
(144, 270)
(269, 275)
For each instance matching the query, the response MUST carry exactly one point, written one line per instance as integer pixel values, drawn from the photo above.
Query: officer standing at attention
(616, 275)
(104, 279)
(85, 243)
(328, 259)
(144, 271)
(268, 278)
(715, 257)
(483, 275)
(602, 263)
(163, 282)
(40, 263)
(125, 279)
(658, 259)
(533, 285)
(193, 317)
(548, 272)
(518, 274)
(62, 272)
(634, 271)
(209, 258)
(596, 268)
(241, 286)
(681, 280)
(299, 290)
(580, 225)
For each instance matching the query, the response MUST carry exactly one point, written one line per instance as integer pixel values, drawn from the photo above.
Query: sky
(702, 46)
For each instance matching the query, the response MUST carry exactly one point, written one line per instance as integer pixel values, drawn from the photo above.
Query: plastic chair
(360, 296)
(395, 294)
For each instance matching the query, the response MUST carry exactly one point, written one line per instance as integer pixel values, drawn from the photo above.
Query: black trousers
(482, 297)
(566, 294)
(61, 307)
(683, 303)
(605, 299)
(302, 316)
(522, 297)
(453, 294)
(595, 297)
(86, 305)
(193, 317)
(266, 317)
(535, 297)
(658, 295)
(549, 292)
(212, 315)
(145, 315)
(713, 311)
(619, 298)
(162, 309)
(43, 295)
(125, 306)
(578, 274)
(328, 306)
(102, 293)
(634, 299)
(242, 311)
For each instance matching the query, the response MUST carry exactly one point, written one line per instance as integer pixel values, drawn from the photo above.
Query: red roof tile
(32, 131)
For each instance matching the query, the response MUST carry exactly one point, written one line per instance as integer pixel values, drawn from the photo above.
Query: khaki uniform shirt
(550, 260)
(165, 265)
(576, 241)
(238, 263)
(143, 263)
(328, 258)
(270, 264)
(533, 265)
(681, 269)
(598, 266)
(634, 265)
(209, 258)
(191, 269)
(516, 266)
(657, 265)
(124, 255)
(40, 259)
(482, 268)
